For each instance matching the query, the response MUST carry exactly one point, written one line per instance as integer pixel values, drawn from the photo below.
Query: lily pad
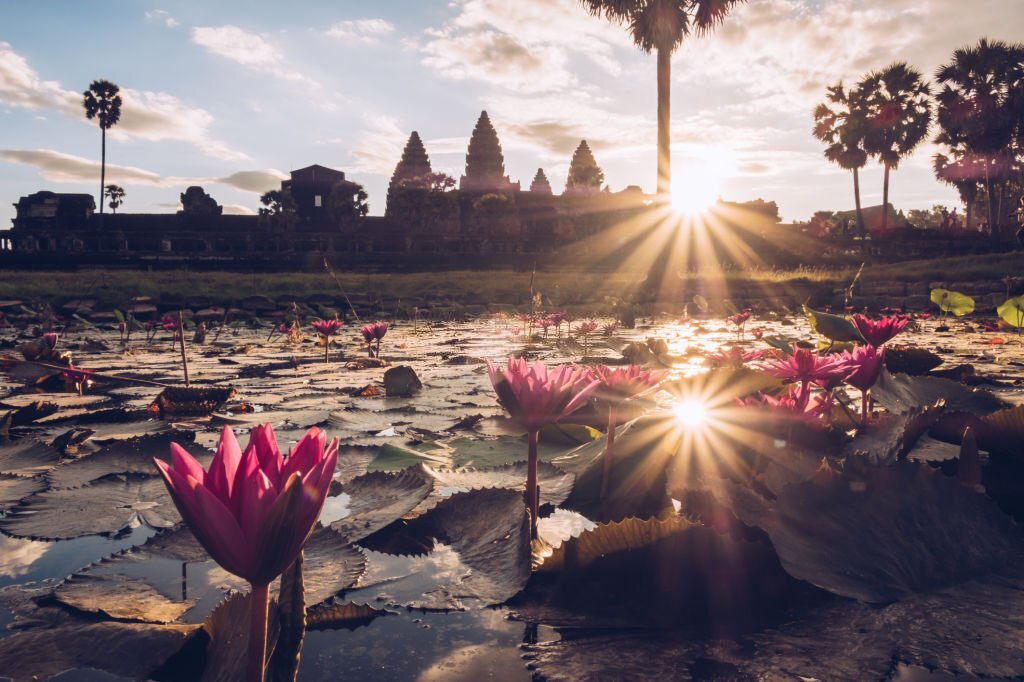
(878, 533)
(894, 435)
(133, 456)
(952, 302)
(832, 327)
(378, 499)
(13, 489)
(103, 508)
(901, 393)
(555, 484)
(27, 457)
(1012, 311)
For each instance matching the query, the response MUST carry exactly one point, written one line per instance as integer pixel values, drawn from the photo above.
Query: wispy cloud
(163, 17)
(145, 115)
(250, 50)
(366, 31)
(57, 166)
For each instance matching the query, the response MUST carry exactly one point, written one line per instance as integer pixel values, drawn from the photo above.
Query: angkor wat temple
(318, 212)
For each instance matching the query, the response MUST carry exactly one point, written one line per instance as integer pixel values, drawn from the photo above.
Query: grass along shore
(114, 288)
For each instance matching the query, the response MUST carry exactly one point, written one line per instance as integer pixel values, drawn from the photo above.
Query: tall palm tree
(102, 102)
(981, 112)
(116, 195)
(841, 123)
(660, 26)
(899, 111)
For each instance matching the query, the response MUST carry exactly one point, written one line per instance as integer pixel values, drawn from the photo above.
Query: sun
(695, 187)
(690, 413)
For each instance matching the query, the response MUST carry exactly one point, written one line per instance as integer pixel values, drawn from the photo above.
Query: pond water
(291, 387)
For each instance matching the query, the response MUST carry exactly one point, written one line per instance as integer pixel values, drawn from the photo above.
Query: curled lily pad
(27, 457)
(555, 484)
(133, 456)
(894, 435)
(832, 327)
(102, 508)
(877, 533)
(133, 650)
(378, 499)
(952, 302)
(147, 584)
(228, 631)
(13, 489)
(342, 616)
(901, 393)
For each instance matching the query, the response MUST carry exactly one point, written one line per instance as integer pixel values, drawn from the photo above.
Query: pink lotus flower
(77, 376)
(867, 362)
(534, 397)
(878, 332)
(585, 329)
(795, 403)
(371, 332)
(253, 510)
(326, 329)
(609, 328)
(805, 367)
(740, 319)
(757, 333)
(616, 387)
(734, 357)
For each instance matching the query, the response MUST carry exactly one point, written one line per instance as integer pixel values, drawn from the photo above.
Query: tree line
(976, 107)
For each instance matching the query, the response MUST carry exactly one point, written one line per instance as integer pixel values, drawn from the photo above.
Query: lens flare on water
(691, 413)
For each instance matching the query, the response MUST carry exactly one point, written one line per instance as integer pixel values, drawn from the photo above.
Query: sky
(234, 94)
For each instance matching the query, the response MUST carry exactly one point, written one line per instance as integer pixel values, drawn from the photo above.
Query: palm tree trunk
(969, 211)
(664, 123)
(990, 204)
(885, 199)
(856, 199)
(103, 165)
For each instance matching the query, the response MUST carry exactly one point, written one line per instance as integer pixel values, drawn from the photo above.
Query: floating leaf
(701, 302)
(342, 616)
(380, 498)
(880, 533)
(392, 457)
(228, 631)
(952, 302)
(611, 538)
(132, 650)
(910, 360)
(1012, 311)
(103, 508)
(894, 435)
(13, 489)
(555, 484)
(133, 456)
(27, 457)
(902, 393)
(568, 434)
(832, 327)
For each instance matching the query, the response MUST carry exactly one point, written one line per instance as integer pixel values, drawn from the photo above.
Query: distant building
(485, 162)
(311, 188)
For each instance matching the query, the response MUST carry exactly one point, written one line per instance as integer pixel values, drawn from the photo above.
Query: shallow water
(408, 644)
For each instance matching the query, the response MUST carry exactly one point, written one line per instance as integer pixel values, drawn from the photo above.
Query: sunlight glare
(695, 188)
(690, 413)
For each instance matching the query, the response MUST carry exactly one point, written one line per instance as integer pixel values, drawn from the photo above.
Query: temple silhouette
(317, 211)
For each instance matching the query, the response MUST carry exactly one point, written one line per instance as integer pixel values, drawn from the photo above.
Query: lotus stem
(532, 491)
(327, 350)
(181, 337)
(865, 408)
(259, 599)
(609, 453)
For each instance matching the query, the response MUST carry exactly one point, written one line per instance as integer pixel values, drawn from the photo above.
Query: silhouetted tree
(280, 209)
(102, 102)
(962, 171)
(899, 111)
(981, 115)
(585, 176)
(116, 196)
(347, 203)
(540, 184)
(841, 123)
(660, 26)
(425, 201)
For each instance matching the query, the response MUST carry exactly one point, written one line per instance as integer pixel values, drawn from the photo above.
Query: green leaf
(953, 302)
(1012, 311)
(701, 303)
(119, 315)
(568, 434)
(780, 343)
(730, 307)
(84, 321)
(832, 327)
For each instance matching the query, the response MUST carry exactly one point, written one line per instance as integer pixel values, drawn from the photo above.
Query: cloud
(367, 31)
(258, 181)
(521, 46)
(378, 147)
(237, 209)
(162, 16)
(60, 167)
(250, 50)
(145, 115)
